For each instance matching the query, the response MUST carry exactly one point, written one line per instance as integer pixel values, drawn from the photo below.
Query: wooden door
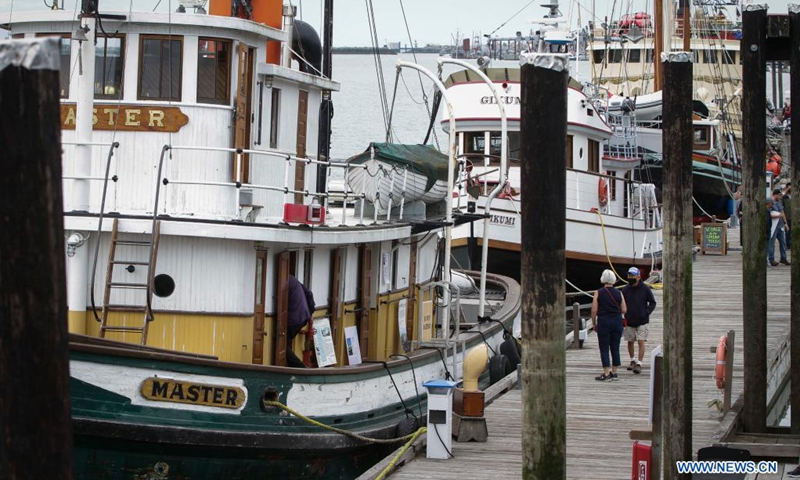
(282, 309)
(365, 298)
(337, 263)
(300, 167)
(412, 291)
(259, 310)
(241, 127)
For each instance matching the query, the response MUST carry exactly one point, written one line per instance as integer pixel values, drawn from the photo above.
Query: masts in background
(326, 107)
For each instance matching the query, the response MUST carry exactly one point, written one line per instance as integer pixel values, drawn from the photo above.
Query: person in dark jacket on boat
(301, 307)
(641, 303)
(608, 307)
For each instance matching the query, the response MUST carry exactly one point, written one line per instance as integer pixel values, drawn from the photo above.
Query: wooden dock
(600, 415)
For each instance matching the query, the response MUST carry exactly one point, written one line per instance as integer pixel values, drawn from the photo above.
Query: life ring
(719, 371)
(602, 192)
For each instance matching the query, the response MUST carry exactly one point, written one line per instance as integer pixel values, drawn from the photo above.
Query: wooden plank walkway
(600, 414)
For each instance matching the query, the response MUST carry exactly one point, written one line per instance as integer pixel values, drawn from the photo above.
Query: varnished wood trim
(514, 247)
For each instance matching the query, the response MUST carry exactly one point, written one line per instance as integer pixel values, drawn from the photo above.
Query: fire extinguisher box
(641, 461)
(306, 214)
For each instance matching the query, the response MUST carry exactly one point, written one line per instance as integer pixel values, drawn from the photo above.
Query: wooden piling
(657, 439)
(794, 16)
(544, 133)
(677, 372)
(754, 230)
(35, 428)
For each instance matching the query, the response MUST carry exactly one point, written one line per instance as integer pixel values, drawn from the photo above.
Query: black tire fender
(510, 350)
(498, 366)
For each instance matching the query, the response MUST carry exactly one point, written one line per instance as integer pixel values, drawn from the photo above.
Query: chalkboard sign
(714, 239)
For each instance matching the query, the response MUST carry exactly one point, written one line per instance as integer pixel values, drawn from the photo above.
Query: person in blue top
(641, 303)
(608, 307)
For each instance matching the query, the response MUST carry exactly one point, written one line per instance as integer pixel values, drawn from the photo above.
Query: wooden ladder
(150, 263)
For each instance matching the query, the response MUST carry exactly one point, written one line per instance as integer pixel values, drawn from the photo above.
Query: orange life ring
(602, 192)
(719, 371)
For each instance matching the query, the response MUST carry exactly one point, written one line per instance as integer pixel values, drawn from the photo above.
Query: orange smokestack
(267, 12)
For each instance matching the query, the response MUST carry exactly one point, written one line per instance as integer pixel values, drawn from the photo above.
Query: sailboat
(191, 200)
(625, 63)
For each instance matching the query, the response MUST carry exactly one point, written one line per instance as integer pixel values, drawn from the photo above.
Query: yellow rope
(605, 244)
(657, 286)
(334, 429)
(391, 464)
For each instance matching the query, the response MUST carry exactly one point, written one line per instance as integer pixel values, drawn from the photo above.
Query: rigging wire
(512, 17)
(378, 64)
(419, 74)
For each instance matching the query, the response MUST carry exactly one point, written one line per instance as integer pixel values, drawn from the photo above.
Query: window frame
(228, 69)
(64, 37)
(274, 117)
(142, 39)
(123, 43)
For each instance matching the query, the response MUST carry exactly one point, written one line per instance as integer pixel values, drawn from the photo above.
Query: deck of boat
(601, 414)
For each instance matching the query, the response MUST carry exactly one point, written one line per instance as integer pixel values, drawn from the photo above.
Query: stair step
(135, 308)
(122, 329)
(125, 262)
(127, 285)
(140, 243)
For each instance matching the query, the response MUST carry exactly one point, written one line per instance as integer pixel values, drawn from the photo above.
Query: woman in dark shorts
(608, 307)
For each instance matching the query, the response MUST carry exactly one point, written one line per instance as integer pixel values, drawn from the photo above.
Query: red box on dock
(640, 470)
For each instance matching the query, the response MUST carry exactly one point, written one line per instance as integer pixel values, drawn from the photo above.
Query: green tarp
(421, 159)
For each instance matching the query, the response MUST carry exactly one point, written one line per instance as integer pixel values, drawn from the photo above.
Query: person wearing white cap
(641, 303)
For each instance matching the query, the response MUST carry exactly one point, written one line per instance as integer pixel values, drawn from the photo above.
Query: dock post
(754, 248)
(657, 439)
(677, 372)
(794, 16)
(544, 388)
(576, 325)
(35, 427)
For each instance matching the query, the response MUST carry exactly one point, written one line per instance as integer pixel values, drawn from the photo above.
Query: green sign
(714, 239)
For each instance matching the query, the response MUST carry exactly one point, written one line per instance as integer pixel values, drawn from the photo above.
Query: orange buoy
(602, 192)
(719, 371)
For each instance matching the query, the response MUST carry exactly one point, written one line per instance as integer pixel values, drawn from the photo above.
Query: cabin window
(109, 58)
(213, 71)
(599, 55)
(648, 56)
(594, 156)
(612, 183)
(701, 136)
(634, 56)
(569, 151)
(615, 56)
(160, 68)
(17, 36)
(64, 66)
(274, 116)
(709, 56)
(728, 57)
(496, 143)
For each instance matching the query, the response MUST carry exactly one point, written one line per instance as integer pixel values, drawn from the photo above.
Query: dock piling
(754, 246)
(544, 132)
(794, 16)
(35, 427)
(677, 372)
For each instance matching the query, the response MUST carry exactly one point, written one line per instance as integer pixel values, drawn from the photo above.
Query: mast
(658, 43)
(326, 107)
(687, 26)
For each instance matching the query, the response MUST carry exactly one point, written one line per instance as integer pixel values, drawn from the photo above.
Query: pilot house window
(213, 71)
(65, 51)
(109, 54)
(160, 68)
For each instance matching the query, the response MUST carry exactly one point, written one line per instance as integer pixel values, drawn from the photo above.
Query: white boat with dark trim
(191, 196)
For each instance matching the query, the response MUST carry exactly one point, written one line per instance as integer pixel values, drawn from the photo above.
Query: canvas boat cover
(422, 159)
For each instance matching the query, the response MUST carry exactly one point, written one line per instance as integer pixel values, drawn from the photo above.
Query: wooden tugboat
(190, 198)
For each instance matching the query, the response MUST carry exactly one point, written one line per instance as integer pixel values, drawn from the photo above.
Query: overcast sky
(430, 21)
